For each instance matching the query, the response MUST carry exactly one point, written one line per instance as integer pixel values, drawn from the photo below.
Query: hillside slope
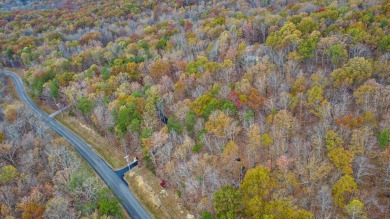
(275, 108)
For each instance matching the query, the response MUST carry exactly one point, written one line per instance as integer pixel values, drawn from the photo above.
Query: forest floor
(160, 202)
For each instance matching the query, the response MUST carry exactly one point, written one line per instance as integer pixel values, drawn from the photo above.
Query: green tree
(106, 74)
(174, 124)
(143, 44)
(54, 88)
(358, 34)
(107, 203)
(129, 116)
(287, 36)
(192, 67)
(108, 207)
(354, 73)
(135, 125)
(190, 121)
(383, 138)
(161, 44)
(338, 55)
(229, 108)
(38, 81)
(206, 215)
(8, 174)
(124, 119)
(197, 148)
(307, 25)
(384, 44)
(307, 47)
(85, 105)
(227, 202)
(10, 52)
(249, 117)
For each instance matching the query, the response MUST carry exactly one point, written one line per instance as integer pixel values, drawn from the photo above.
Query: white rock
(190, 216)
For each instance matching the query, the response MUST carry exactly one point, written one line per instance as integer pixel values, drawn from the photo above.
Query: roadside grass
(12, 90)
(43, 106)
(160, 202)
(112, 155)
(18, 71)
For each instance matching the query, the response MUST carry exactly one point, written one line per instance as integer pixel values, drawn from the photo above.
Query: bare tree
(88, 190)
(8, 152)
(8, 196)
(65, 158)
(324, 199)
(59, 208)
(362, 168)
(165, 153)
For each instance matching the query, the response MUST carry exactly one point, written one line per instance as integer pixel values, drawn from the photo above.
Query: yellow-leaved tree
(257, 195)
(343, 189)
(256, 188)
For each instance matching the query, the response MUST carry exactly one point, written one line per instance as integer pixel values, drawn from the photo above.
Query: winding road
(113, 181)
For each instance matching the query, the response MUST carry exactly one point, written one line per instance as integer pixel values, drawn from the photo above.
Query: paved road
(120, 189)
(121, 172)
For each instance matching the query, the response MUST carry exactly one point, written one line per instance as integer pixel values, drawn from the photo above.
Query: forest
(246, 109)
(40, 176)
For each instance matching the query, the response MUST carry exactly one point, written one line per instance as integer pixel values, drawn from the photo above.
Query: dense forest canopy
(275, 108)
(15, 5)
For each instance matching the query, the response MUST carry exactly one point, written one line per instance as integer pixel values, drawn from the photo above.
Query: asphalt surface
(121, 172)
(113, 181)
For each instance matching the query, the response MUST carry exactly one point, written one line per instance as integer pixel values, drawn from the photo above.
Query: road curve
(113, 181)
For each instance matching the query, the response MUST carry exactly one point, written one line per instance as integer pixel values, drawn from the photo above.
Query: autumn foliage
(219, 98)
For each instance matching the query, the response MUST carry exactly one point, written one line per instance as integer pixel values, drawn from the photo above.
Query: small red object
(163, 183)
